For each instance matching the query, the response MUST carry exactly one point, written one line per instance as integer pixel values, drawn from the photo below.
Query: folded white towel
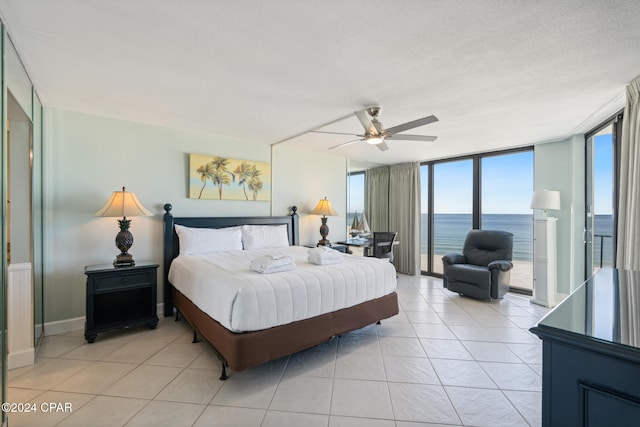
(277, 269)
(323, 255)
(271, 261)
(324, 252)
(325, 261)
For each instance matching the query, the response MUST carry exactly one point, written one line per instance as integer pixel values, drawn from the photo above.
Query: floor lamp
(545, 260)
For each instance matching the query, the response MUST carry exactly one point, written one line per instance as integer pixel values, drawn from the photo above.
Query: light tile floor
(443, 360)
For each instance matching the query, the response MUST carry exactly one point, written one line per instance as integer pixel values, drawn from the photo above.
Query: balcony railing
(601, 236)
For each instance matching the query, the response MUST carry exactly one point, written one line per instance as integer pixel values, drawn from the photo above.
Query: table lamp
(545, 200)
(125, 204)
(325, 209)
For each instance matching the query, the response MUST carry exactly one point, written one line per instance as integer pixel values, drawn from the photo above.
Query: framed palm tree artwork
(226, 178)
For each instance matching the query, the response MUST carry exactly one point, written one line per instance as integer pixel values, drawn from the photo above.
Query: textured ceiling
(497, 73)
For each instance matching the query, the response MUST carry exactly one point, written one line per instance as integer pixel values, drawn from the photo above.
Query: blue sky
(507, 183)
(602, 175)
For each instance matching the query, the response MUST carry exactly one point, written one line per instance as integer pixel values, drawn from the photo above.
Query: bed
(241, 345)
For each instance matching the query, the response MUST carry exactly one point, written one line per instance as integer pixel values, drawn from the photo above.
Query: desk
(361, 242)
(358, 242)
(591, 353)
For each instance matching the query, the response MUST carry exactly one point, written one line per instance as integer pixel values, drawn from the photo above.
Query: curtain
(628, 250)
(629, 302)
(404, 215)
(376, 198)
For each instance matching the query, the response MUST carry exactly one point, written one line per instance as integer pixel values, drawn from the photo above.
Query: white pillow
(206, 240)
(265, 236)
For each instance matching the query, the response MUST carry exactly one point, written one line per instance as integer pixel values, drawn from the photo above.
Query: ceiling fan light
(374, 139)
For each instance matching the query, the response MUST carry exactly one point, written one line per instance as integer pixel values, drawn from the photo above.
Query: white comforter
(222, 285)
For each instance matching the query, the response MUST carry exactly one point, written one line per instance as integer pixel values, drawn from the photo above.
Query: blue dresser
(591, 354)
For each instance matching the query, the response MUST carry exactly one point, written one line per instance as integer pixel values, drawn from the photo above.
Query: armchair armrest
(451, 259)
(501, 265)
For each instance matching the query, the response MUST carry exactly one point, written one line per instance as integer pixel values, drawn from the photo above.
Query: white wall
(303, 179)
(560, 166)
(88, 157)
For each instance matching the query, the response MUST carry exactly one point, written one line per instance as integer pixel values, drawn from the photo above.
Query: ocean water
(451, 229)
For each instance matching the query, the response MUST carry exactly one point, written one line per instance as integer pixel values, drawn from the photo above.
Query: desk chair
(383, 244)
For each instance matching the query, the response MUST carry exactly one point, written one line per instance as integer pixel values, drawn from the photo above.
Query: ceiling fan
(376, 134)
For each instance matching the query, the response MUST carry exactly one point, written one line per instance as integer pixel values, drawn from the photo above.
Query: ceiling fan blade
(410, 125)
(382, 146)
(366, 123)
(336, 133)
(345, 143)
(404, 137)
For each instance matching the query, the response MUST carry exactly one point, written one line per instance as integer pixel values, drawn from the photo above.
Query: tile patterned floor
(445, 360)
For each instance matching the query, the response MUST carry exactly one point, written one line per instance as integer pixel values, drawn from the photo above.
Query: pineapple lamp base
(124, 240)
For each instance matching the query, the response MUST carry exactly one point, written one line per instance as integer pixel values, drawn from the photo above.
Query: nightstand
(120, 297)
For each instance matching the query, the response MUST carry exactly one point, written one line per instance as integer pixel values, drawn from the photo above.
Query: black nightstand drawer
(122, 281)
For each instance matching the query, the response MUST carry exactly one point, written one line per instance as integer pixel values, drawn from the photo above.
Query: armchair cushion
(469, 273)
(454, 259)
(484, 246)
(501, 265)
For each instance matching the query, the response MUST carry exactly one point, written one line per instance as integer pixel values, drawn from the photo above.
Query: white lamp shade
(123, 204)
(545, 199)
(324, 208)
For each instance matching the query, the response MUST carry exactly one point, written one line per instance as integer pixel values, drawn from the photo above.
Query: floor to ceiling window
(355, 196)
(452, 208)
(506, 187)
(489, 191)
(424, 217)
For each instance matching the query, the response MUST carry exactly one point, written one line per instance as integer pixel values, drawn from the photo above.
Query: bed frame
(240, 351)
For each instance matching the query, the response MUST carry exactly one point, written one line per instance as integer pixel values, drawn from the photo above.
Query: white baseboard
(21, 358)
(64, 326)
(38, 330)
(77, 324)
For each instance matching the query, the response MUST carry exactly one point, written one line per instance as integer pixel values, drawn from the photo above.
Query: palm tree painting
(226, 178)
(255, 183)
(243, 172)
(205, 172)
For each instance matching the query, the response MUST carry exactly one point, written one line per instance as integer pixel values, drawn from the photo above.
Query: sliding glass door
(600, 196)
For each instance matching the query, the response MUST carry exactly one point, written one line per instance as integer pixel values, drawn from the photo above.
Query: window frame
(615, 121)
(476, 199)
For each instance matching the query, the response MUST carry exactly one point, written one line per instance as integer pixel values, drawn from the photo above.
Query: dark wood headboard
(172, 245)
